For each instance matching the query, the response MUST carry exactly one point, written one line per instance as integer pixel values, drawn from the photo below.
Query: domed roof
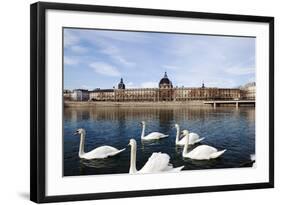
(165, 80)
(121, 85)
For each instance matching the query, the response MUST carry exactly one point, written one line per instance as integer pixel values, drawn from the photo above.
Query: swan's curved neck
(178, 134)
(184, 152)
(133, 168)
(143, 130)
(82, 144)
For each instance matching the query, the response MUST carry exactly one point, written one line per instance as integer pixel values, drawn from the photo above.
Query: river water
(224, 128)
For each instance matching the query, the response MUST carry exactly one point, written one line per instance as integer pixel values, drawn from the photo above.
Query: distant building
(121, 85)
(249, 91)
(102, 95)
(67, 94)
(166, 92)
(80, 95)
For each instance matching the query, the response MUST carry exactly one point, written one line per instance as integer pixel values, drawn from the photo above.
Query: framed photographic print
(129, 102)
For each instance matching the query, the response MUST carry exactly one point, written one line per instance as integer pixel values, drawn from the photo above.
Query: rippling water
(224, 128)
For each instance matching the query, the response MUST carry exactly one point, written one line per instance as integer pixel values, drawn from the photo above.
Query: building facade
(67, 95)
(80, 95)
(249, 91)
(167, 92)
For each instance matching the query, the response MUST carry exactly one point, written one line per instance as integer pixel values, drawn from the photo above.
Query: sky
(99, 58)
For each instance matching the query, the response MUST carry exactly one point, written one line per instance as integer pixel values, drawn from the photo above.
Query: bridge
(235, 102)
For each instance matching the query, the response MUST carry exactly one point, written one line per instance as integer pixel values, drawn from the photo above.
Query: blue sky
(99, 58)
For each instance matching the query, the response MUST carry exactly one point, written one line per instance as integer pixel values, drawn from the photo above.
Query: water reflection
(165, 115)
(224, 128)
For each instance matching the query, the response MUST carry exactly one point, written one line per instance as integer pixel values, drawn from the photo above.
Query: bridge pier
(215, 105)
(237, 105)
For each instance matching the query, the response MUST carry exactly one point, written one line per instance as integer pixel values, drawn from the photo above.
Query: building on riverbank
(79, 95)
(165, 92)
(249, 91)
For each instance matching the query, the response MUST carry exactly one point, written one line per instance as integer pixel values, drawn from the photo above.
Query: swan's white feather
(171, 169)
(102, 152)
(253, 157)
(193, 139)
(159, 162)
(204, 152)
(217, 154)
(199, 140)
(154, 136)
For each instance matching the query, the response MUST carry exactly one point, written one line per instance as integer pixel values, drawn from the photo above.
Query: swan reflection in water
(101, 163)
(223, 128)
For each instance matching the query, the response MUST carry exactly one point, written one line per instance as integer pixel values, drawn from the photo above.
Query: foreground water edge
(224, 128)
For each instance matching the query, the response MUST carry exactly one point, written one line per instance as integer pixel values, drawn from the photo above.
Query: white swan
(152, 135)
(98, 153)
(253, 160)
(193, 138)
(157, 162)
(249, 163)
(202, 152)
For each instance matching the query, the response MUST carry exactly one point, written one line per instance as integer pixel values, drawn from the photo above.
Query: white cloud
(209, 79)
(125, 37)
(240, 70)
(123, 61)
(252, 79)
(105, 41)
(189, 60)
(85, 87)
(110, 50)
(70, 39)
(130, 85)
(114, 53)
(78, 49)
(171, 67)
(105, 69)
(149, 85)
(221, 83)
(70, 61)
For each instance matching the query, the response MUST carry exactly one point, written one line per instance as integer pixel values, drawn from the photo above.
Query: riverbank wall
(133, 104)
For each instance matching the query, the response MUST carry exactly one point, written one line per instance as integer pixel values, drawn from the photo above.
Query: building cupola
(121, 85)
(165, 82)
(203, 85)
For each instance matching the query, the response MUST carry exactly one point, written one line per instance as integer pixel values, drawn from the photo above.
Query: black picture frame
(38, 100)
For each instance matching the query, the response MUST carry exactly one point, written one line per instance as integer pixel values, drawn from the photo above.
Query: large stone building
(249, 91)
(166, 92)
(76, 95)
